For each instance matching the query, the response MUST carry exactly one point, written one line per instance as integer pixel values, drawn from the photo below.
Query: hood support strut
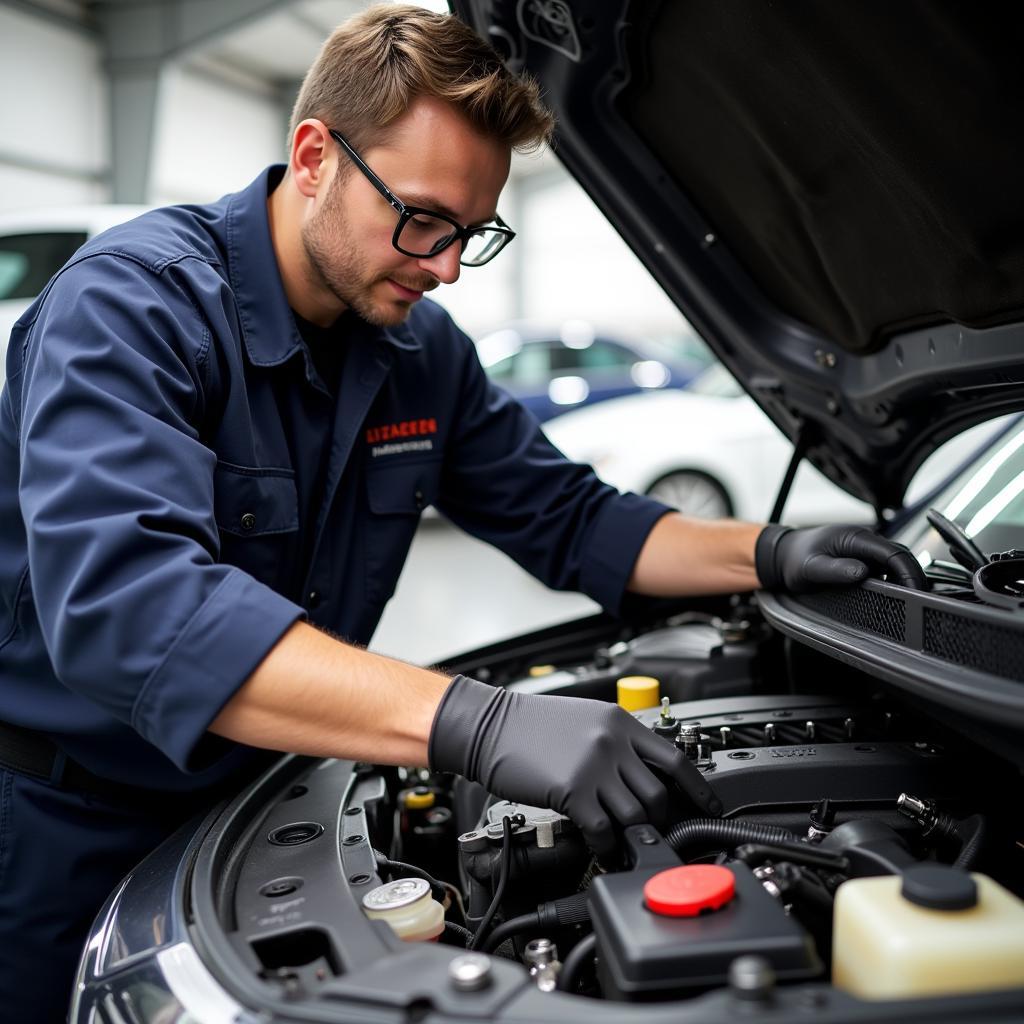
(803, 440)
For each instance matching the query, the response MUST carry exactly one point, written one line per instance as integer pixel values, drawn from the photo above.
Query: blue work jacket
(153, 515)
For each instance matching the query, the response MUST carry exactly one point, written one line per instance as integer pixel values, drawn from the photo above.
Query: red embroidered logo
(407, 428)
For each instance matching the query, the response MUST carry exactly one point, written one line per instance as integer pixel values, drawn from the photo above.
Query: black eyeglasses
(424, 233)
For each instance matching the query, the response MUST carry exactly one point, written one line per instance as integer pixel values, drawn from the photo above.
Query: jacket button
(313, 599)
(418, 496)
(248, 521)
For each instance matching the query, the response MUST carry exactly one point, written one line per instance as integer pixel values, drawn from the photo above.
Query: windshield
(986, 499)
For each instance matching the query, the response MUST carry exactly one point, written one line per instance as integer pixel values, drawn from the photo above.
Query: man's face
(432, 158)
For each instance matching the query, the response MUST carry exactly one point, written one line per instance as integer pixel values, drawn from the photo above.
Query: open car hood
(831, 194)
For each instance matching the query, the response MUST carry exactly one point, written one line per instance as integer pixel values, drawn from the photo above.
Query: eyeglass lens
(423, 235)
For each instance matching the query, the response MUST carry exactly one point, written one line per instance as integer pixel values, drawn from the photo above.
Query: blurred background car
(708, 451)
(711, 452)
(552, 368)
(35, 244)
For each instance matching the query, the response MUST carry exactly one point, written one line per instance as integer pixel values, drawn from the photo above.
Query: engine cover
(766, 755)
(644, 955)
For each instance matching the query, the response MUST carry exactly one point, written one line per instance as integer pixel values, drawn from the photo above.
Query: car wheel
(693, 493)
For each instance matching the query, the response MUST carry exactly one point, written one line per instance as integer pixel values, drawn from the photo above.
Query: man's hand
(830, 556)
(586, 758)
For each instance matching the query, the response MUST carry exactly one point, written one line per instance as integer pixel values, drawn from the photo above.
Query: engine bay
(852, 865)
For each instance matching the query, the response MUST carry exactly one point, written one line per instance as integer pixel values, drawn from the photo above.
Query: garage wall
(53, 114)
(485, 296)
(215, 130)
(565, 263)
(211, 137)
(578, 266)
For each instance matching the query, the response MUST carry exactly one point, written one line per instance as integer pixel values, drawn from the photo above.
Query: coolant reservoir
(407, 906)
(635, 693)
(935, 930)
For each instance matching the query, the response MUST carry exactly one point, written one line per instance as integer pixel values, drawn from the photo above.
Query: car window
(986, 499)
(503, 369)
(561, 358)
(598, 355)
(533, 363)
(28, 261)
(605, 355)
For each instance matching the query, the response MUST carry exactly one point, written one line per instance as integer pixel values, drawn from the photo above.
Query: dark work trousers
(61, 854)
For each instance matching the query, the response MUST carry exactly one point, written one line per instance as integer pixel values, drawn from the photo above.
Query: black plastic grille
(862, 609)
(973, 644)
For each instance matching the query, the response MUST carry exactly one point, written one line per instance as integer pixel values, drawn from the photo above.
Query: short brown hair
(375, 64)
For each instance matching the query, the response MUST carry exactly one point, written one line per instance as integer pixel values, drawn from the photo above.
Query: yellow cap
(414, 801)
(536, 671)
(638, 692)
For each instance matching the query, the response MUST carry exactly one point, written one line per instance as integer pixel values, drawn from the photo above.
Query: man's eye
(427, 223)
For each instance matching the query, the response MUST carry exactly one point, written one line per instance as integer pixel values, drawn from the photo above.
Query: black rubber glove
(830, 556)
(585, 758)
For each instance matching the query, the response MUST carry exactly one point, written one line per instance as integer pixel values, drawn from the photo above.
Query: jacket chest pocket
(397, 496)
(257, 513)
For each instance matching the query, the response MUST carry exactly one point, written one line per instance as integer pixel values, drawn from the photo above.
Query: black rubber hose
(568, 910)
(972, 832)
(507, 929)
(503, 872)
(456, 931)
(580, 954)
(796, 853)
(808, 890)
(718, 832)
(401, 869)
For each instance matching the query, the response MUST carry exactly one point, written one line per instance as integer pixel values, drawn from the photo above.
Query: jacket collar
(268, 327)
(401, 337)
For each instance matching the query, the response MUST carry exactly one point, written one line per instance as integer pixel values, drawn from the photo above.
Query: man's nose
(445, 265)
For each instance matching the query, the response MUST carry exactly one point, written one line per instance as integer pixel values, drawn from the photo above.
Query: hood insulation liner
(864, 161)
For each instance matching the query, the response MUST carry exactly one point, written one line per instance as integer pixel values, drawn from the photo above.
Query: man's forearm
(315, 695)
(683, 557)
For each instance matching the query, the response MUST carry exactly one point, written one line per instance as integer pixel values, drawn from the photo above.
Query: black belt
(31, 753)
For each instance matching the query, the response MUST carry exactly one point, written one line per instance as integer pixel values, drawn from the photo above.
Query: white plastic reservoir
(407, 906)
(935, 930)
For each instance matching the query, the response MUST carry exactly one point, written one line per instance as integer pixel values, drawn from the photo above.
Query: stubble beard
(336, 264)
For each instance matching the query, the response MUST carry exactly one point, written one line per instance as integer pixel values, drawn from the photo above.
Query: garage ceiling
(281, 45)
(275, 40)
(263, 47)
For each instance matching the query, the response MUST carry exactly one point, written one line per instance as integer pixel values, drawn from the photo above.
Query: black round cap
(939, 887)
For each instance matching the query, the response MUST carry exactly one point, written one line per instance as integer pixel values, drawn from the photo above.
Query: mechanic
(219, 427)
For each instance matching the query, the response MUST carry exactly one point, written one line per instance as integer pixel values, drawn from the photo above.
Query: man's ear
(310, 157)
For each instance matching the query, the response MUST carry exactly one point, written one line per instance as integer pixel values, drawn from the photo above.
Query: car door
(28, 259)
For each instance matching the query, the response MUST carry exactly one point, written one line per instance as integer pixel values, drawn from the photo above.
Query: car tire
(693, 493)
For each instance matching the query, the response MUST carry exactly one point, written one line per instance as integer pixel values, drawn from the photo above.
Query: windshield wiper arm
(961, 547)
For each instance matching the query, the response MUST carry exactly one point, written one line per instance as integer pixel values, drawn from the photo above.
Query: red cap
(686, 891)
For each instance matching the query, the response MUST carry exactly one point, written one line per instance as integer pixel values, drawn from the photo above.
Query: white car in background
(711, 452)
(35, 244)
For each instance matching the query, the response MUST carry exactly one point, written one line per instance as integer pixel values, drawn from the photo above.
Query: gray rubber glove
(830, 556)
(586, 758)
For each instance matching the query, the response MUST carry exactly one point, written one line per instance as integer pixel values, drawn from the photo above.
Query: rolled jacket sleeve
(117, 494)
(505, 483)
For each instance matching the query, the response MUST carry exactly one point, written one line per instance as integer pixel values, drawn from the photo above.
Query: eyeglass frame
(406, 213)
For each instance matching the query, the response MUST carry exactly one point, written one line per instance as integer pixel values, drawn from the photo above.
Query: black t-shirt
(328, 348)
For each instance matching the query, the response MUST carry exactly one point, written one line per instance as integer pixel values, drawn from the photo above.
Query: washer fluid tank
(932, 930)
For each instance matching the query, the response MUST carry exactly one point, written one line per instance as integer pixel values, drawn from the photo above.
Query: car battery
(667, 933)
